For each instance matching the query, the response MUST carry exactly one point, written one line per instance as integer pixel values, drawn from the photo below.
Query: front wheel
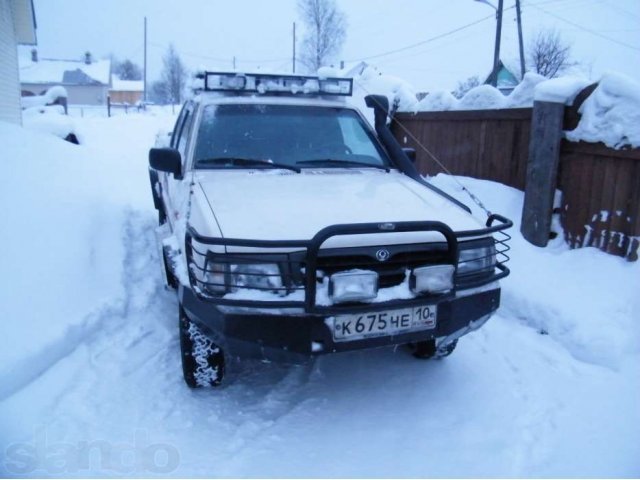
(427, 349)
(202, 360)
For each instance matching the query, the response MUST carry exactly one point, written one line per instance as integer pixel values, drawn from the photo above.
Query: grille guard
(312, 248)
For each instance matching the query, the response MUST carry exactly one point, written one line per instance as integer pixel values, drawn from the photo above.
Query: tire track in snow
(139, 254)
(258, 415)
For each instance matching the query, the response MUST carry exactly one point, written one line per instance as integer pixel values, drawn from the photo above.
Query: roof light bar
(276, 84)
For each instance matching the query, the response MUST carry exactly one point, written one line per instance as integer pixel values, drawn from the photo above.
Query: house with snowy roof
(126, 91)
(507, 79)
(351, 70)
(87, 81)
(17, 27)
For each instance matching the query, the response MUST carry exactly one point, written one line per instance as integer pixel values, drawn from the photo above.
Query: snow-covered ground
(90, 379)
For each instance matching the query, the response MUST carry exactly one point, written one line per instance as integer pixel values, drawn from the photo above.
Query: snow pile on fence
(611, 114)
(560, 90)
(482, 97)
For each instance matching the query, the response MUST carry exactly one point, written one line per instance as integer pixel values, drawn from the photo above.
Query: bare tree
(325, 32)
(548, 54)
(466, 85)
(174, 75)
(127, 70)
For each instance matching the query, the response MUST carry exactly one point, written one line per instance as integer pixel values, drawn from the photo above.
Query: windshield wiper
(246, 161)
(340, 163)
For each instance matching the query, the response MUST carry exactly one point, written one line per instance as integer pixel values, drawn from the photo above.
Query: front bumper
(295, 337)
(293, 327)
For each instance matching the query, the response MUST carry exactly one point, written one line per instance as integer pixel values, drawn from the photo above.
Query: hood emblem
(382, 255)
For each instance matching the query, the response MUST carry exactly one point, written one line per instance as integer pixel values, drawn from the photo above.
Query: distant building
(87, 82)
(507, 80)
(17, 27)
(126, 91)
(351, 70)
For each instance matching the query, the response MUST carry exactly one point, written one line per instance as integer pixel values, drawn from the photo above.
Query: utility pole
(144, 87)
(234, 63)
(496, 53)
(519, 16)
(293, 59)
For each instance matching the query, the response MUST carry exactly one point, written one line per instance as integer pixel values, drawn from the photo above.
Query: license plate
(377, 324)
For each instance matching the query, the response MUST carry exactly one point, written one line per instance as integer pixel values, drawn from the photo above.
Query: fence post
(108, 106)
(542, 171)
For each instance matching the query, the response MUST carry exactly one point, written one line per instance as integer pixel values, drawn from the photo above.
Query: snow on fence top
(611, 114)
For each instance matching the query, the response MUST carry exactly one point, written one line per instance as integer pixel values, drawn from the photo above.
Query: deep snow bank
(60, 253)
(64, 229)
(584, 298)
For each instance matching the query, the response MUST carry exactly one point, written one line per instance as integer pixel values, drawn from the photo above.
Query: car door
(176, 190)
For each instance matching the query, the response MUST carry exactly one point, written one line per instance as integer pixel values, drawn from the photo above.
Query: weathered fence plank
(542, 171)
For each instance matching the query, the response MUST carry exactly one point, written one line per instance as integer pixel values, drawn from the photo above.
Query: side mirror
(166, 160)
(411, 153)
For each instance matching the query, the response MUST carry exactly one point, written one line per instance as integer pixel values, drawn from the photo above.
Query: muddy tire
(203, 362)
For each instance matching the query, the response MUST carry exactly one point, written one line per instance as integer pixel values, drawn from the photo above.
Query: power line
(581, 27)
(621, 10)
(429, 40)
(223, 60)
(423, 42)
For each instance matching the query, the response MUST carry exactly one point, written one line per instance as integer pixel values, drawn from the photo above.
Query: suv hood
(283, 205)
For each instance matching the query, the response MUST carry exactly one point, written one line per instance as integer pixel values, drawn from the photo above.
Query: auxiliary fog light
(432, 279)
(353, 285)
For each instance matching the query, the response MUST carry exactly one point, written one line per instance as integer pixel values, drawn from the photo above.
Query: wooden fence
(601, 197)
(488, 144)
(600, 185)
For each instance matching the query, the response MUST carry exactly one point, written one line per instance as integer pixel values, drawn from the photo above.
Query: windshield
(255, 136)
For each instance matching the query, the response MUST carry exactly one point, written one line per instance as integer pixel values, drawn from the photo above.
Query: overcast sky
(605, 34)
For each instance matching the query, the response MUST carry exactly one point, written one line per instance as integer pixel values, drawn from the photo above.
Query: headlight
(353, 286)
(477, 260)
(432, 279)
(259, 276)
(214, 277)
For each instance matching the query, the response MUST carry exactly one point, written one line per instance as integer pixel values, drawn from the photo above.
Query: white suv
(291, 228)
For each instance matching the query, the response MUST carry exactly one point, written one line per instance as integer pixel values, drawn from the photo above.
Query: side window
(356, 139)
(184, 133)
(177, 127)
